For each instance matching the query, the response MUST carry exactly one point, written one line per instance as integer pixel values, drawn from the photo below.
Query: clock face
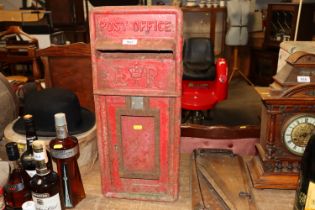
(297, 132)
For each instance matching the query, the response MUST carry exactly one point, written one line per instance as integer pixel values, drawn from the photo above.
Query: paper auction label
(63, 154)
(46, 202)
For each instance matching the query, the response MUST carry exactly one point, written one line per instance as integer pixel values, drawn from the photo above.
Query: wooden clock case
(275, 166)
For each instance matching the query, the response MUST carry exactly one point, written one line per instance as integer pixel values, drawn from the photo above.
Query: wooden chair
(20, 51)
(16, 30)
(69, 67)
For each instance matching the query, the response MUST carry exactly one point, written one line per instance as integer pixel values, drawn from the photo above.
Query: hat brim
(87, 122)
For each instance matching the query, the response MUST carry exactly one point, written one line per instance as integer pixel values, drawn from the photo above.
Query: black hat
(44, 104)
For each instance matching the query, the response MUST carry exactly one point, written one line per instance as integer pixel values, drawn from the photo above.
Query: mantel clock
(287, 122)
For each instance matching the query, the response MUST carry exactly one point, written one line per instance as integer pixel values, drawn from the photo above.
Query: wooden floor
(242, 106)
(266, 199)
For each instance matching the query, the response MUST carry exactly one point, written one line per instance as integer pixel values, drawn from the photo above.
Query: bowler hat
(45, 103)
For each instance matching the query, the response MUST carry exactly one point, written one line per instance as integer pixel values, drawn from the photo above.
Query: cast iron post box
(137, 72)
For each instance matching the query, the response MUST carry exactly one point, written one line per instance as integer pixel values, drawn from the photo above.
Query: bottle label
(67, 197)
(63, 154)
(31, 138)
(31, 173)
(11, 188)
(46, 202)
(310, 197)
(39, 156)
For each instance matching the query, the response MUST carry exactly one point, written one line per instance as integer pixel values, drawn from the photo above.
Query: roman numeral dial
(297, 132)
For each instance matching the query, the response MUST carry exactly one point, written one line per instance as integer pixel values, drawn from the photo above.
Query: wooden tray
(220, 181)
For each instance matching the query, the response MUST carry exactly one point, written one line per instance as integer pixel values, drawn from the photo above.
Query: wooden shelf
(213, 11)
(204, 9)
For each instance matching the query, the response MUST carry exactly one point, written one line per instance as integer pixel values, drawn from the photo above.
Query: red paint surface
(138, 146)
(204, 95)
(135, 74)
(137, 51)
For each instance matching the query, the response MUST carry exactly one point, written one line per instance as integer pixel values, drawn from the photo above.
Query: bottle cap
(29, 205)
(60, 119)
(29, 123)
(37, 145)
(12, 151)
(28, 117)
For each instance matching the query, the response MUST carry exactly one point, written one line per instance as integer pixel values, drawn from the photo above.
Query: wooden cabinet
(263, 66)
(69, 16)
(66, 12)
(209, 22)
(282, 20)
(280, 26)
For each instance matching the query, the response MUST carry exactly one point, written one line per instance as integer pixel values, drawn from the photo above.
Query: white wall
(11, 4)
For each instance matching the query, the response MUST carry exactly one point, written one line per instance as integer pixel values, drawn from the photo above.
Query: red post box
(137, 72)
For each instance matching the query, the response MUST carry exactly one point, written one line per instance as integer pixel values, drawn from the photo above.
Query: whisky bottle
(27, 159)
(16, 190)
(1, 199)
(65, 151)
(305, 193)
(45, 185)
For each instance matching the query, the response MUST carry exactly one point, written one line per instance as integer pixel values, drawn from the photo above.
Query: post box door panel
(138, 159)
(138, 145)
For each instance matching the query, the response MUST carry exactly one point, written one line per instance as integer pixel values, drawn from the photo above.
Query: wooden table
(267, 199)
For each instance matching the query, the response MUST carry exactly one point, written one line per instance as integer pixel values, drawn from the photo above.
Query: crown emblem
(136, 71)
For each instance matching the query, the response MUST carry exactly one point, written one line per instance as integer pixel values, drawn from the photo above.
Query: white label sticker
(64, 154)
(44, 202)
(303, 79)
(129, 41)
(31, 173)
(39, 156)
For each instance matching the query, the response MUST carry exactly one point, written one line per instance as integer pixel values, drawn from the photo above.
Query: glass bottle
(16, 190)
(305, 193)
(27, 160)
(65, 151)
(45, 185)
(1, 199)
